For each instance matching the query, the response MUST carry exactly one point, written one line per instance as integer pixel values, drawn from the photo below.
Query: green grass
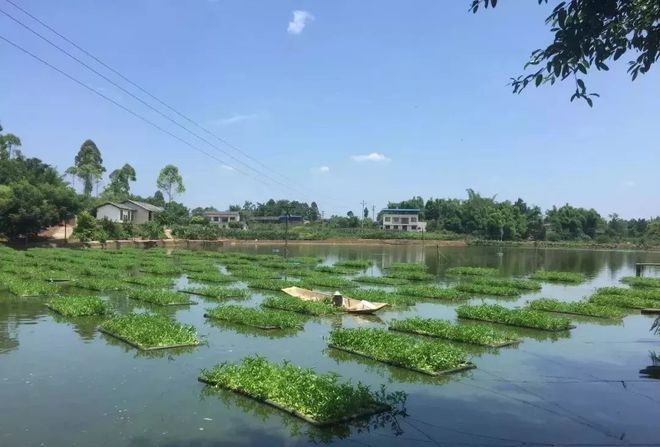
(151, 281)
(217, 292)
(270, 284)
(259, 318)
(435, 292)
(552, 276)
(472, 271)
(210, 277)
(157, 296)
(511, 283)
(642, 282)
(320, 398)
(585, 308)
(292, 304)
(391, 298)
(476, 334)
(148, 331)
(325, 280)
(381, 280)
(623, 301)
(514, 317)
(487, 289)
(354, 263)
(651, 294)
(79, 306)
(425, 356)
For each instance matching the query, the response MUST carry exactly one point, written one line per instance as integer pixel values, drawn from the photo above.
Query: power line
(142, 89)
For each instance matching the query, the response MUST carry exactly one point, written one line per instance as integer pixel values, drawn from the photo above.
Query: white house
(402, 219)
(223, 218)
(128, 211)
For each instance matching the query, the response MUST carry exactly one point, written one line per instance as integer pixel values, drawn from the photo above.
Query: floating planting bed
(642, 282)
(30, 287)
(472, 271)
(259, 318)
(381, 280)
(150, 332)
(532, 319)
(552, 276)
(487, 289)
(584, 308)
(334, 270)
(293, 304)
(270, 284)
(160, 297)
(466, 333)
(324, 280)
(354, 263)
(623, 301)
(100, 284)
(253, 273)
(444, 293)
(410, 275)
(210, 277)
(78, 306)
(320, 399)
(510, 283)
(407, 267)
(217, 292)
(161, 270)
(428, 357)
(651, 294)
(151, 281)
(391, 298)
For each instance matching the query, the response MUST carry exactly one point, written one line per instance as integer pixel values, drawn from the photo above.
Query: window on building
(395, 219)
(216, 218)
(413, 219)
(413, 227)
(387, 227)
(387, 218)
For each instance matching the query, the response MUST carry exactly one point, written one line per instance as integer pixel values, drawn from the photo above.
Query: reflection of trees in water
(170, 353)
(653, 370)
(14, 312)
(299, 428)
(8, 335)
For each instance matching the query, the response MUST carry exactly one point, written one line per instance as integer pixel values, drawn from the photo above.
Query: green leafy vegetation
(472, 271)
(381, 280)
(552, 276)
(651, 294)
(324, 280)
(101, 284)
(623, 301)
(514, 317)
(79, 306)
(292, 304)
(151, 281)
(157, 296)
(511, 283)
(407, 267)
(358, 264)
(641, 282)
(410, 275)
(29, 287)
(259, 318)
(270, 284)
(210, 276)
(217, 292)
(392, 298)
(318, 398)
(334, 270)
(148, 331)
(577, 307)
(487, 289)
(424, 291)
(467, 333)
(429, 357)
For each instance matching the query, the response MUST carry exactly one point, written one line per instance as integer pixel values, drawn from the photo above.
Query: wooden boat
(350, 305)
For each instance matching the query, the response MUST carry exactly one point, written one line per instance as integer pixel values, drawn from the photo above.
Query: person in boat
(337, 299)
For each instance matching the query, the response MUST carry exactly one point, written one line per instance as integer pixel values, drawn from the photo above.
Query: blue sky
(349, 101)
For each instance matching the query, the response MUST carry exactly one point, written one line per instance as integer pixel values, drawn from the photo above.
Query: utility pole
(364, 204)
(373, 212)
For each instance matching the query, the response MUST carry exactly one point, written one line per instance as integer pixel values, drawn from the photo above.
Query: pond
(62, 383)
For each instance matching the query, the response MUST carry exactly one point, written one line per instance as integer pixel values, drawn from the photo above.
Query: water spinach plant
(443, 293)
(514, 317)
(429, 357)
(78, 306)
(270, 284)
(391, 298)
(259, 318)
(512, 283)
(158, 296)
(325, 280)
(217, 292)
(487, 289)
(357, 264)
(641, 281)
(410, 275)
(553, 276)
(381, 280)
(651, 294)
(292, 304)
(623, 301)
(210, 277)
(476, 334)
(321, 399)
(150, 332)
(472, 271)
(30, 287)
(585, 308)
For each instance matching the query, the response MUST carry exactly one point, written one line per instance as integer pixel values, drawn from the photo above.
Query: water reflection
(653, 370)
(86, 327)
(253, 331)
(169, 353)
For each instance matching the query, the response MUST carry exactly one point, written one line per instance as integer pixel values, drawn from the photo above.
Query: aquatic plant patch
(429, 357)
(381, 280)
(410, 275)
(159, 296)
(217, 292)
(476, 334)
(641, 281)
(151, 281)
(211, 277)
(391, 298)
(510, 283)
(321, 399)
(259, 318)
(324, 280)
(407, 267)
(514, 317)
(334, 270)
(424, 291)
(472, 271)
(651, 294)
(623, 301)
(293, 304)
(150, 332)
(101, 284)
(553, 276)
(354, 263)
(270, 284)
(585, 308)
(30, 287)
(79, 306)
(161, 270)
(253, 273)
(487, 289)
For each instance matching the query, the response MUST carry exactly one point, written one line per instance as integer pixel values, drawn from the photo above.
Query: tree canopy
(170, 182)
(8, 141)
(588, 35)
(88, 166)
(119, 188)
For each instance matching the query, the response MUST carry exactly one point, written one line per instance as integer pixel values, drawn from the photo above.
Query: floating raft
(266, 328)
(443, 372)
(429, 334)
(375, 409)
(577, 315)
(349, 305)
(650, 311)
(208, 295)
(146, 348)
(572, 326)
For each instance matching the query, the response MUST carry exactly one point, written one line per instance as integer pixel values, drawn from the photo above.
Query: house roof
(401, 210)
(144, 205)
(221, 213)
(121, 206)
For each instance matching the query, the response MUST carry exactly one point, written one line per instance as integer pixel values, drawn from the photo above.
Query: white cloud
(321, 169)
(374, 156)
(299, 21)
(235, 119)
(227, 168)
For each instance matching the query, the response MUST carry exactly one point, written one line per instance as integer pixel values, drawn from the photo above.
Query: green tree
(119, 188)
(589, 34)
(88, 166)
(170, 182)
(7, 143)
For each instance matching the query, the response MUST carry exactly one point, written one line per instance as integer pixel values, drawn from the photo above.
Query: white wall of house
(402, 222)
(108, 211)
(140, 216)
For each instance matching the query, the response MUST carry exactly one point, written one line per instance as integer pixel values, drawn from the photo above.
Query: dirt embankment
(347, 241)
